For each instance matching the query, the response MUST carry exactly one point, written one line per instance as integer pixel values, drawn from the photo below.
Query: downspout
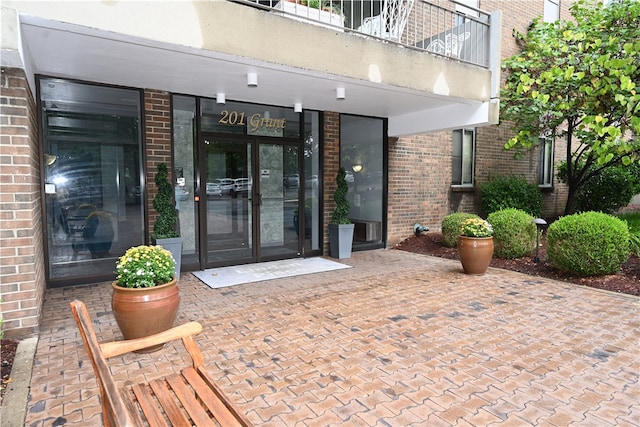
(495, 55)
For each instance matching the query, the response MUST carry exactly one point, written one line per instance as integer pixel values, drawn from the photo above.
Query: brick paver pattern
(399, 340)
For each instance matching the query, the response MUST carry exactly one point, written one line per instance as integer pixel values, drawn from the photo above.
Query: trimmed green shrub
(514, 233)
(588, 244)
(633, 222)
(451, 227)
(503, 192)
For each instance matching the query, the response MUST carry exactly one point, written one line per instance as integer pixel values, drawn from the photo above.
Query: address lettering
(256, 121)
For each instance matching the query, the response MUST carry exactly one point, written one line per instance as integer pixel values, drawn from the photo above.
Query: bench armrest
(116, 348)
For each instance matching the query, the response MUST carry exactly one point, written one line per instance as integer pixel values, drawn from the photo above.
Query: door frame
(255, 143)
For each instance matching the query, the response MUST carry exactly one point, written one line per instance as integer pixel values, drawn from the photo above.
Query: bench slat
(171, 408)
(148, 405)
(209, 398)
(190, 401)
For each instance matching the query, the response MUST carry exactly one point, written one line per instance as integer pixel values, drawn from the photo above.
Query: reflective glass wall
(92, 178)
(362, 154)
(184, 158)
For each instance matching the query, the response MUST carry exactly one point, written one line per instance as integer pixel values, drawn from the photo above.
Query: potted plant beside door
(145, 295)
(165, 231)
(340, 227)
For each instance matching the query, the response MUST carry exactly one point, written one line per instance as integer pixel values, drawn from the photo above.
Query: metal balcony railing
(448, 28)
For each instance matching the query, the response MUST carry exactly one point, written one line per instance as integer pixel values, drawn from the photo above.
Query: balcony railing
(451, 30)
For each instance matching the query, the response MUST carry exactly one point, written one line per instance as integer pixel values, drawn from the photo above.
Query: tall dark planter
(340, 240)
(141, 312)
(475, 253)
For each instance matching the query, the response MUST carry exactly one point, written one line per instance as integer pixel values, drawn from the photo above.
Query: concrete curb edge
(14, 405)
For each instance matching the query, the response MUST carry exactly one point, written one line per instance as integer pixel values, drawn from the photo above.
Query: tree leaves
(584, 72)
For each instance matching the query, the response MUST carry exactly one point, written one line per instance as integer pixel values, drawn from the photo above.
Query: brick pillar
(330, 170)
(22, 277)
(157, 126)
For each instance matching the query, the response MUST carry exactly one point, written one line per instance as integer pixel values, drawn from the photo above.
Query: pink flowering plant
(476, 227)
(145, 267)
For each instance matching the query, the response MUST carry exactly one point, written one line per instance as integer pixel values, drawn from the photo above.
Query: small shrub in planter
(451, 227)
(514, 233)
(588, 244)
(502, 192)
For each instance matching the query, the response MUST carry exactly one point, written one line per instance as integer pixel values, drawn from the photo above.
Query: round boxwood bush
(514, 233)
(502, 192)
(588, 244)
(451, 227)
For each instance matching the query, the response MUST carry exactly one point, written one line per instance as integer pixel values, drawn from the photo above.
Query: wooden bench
(189, 398)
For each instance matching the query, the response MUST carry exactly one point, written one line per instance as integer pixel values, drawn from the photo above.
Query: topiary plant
(588, 244)
(502, 192)
(165, 226)
(341, 212)
(514, 233)
(451, 227)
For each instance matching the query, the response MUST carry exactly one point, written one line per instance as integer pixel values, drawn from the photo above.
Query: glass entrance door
(251, 202)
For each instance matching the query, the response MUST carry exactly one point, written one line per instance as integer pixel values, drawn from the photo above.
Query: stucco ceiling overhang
(71, 51)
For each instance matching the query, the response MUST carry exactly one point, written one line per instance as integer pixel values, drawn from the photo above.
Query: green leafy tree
(578, 80)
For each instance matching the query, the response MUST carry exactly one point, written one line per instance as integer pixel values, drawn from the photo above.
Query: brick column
(22, 277)
(331, 156)
(157, 126)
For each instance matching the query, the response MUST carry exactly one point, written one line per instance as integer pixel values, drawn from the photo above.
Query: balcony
(424, 66)
(452, 31)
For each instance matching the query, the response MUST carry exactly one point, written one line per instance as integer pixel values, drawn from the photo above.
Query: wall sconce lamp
(297, 107)
(340, 93)
(252, 79)
(220, 98)
(50, 159)
(357, 168)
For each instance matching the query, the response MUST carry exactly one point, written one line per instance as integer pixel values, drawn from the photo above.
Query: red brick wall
(419, 176)
(331, 165)
(22, 261)
(420, 166)
(157, 126)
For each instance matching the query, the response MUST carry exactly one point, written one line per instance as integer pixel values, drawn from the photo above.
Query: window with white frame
(464, 153)
(468, 11)
(551, 10)
(545, 162)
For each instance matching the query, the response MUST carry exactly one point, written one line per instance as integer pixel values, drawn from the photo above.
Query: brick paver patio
(399, 340)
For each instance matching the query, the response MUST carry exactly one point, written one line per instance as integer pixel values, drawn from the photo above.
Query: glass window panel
(184, 134)
(93, 178)
(551, 10)
(463, 157)
(311, 153)
(545, 164)
(362, 156)
(467, 157)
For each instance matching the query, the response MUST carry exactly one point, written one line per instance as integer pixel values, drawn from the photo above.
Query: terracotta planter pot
(475, 253)
(141, 312)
